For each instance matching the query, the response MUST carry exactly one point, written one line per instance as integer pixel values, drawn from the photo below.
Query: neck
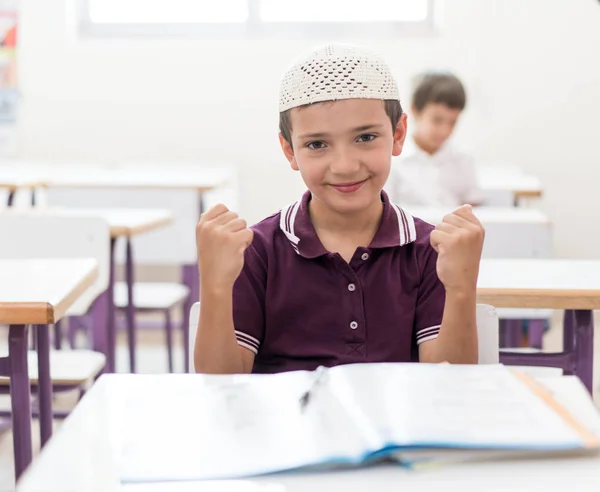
(363, 224)
(423, 145)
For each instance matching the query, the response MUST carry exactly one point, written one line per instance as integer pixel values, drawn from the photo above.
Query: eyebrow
(358, 129)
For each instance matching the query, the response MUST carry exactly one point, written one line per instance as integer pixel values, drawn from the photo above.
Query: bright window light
(167, 11)
(343, 10)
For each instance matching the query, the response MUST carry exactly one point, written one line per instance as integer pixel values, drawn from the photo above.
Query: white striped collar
(397, 227)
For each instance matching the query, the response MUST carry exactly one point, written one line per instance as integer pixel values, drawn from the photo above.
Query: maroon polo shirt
(297, 305)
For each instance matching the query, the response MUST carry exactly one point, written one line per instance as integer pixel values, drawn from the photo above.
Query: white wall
(532, 69)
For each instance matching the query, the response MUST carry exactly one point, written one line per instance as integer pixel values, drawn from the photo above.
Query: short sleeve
(430, 301)
(249, 301)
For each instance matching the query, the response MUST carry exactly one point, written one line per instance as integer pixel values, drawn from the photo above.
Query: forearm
(216, 350)
(457, 339)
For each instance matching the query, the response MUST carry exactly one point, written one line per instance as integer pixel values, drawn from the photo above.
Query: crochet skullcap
(336, 71)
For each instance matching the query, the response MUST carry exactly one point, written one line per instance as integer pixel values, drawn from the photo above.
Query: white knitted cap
(336, 71)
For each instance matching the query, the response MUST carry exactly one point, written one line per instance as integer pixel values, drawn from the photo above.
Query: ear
(288, 151)
(400, 135)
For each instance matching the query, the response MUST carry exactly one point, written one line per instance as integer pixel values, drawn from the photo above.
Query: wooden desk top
(124, 221)
(121, 221)
(509, 179)
(97, 176)
(15, 184)
(540, 283)
(39, 291)
(487, 215)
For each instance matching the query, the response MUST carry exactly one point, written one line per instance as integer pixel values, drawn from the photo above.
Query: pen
(319, 377)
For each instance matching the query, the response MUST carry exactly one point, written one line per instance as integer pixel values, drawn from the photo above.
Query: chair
(44, 235)
(161, 297)
(154, 297)
(487, 333)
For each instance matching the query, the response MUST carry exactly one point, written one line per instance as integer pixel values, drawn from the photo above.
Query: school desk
(90, 175)
(163, 176)
(35, 292)
(571, 285)
(506, 185)
(510, 232)
(124, 223)
(151, 176)
(12, 183)
(85, 452)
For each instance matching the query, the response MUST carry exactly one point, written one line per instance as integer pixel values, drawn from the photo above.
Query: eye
(367, 137)
(317, 145)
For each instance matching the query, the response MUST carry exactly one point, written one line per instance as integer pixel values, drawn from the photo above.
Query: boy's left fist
(458, 240)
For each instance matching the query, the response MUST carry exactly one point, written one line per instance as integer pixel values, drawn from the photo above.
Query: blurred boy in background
(431, 171)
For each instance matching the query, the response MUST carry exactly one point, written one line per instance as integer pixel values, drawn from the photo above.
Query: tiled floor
(152, 359)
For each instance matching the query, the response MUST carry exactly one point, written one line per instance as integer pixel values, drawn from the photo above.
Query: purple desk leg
(512, 333)
(578, 349)
(44, 382)
(568, 331)
(536, 333)
(11, 198)
(169, 330)
(20, 396)
(111, 332)
(130, 304)
(584, 346)
(58, 335)
(99, 324)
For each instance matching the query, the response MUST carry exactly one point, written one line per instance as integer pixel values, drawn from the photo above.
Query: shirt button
(351, 287)
(365, 256)
(353, 325)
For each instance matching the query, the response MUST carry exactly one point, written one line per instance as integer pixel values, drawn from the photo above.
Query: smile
(349, 187)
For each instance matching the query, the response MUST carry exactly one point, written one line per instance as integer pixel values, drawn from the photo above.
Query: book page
(456, 405)
(233, 426)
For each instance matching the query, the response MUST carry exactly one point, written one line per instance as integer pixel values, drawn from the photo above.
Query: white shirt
(448, 178)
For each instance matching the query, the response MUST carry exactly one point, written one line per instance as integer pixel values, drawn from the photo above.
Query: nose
(344, 162)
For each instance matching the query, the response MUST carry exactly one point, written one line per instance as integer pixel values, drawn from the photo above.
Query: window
(167, 11)
(343, 11)
(286, 18)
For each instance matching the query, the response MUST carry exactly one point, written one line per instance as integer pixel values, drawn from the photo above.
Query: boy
(431, 172)
(342, 275)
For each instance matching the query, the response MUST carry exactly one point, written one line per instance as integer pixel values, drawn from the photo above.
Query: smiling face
(343, 150)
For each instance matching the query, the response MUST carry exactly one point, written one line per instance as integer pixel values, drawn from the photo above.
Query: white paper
(235, 426)
(455, 405)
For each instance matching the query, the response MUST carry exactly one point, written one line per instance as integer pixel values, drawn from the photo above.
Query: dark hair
(392, 108)
(439, 88)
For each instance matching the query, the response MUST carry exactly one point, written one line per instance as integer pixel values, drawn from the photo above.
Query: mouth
(349, 187)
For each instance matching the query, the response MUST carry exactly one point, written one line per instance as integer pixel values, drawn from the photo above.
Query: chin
(352, 202)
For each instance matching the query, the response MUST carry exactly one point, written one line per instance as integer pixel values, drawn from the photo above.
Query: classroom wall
(531, 69)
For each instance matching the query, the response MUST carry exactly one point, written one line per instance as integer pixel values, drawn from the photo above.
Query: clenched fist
(458, 240)
(221, 239)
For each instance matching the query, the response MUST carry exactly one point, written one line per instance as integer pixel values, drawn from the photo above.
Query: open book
(244, 425)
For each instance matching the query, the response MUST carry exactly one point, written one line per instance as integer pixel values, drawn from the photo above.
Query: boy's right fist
(221, 239)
